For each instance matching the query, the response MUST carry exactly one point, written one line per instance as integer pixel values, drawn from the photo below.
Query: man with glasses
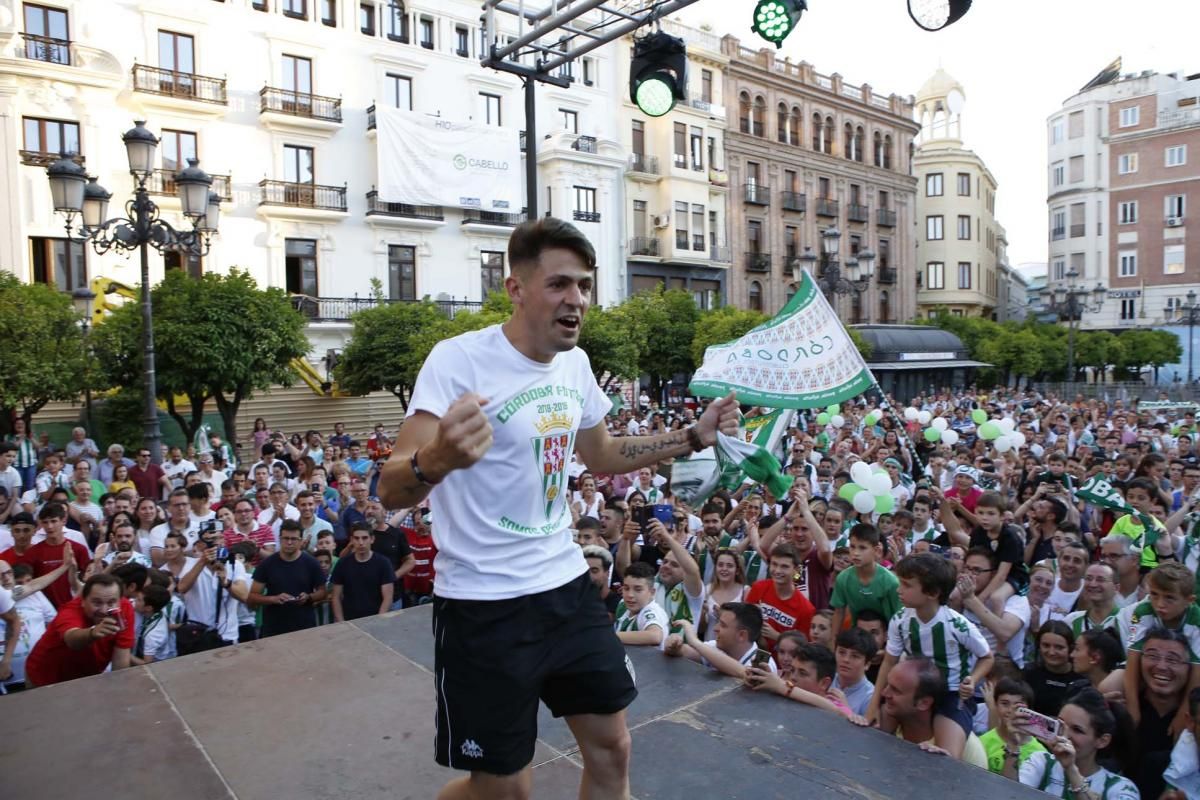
(1120, 553)
(1005, 632)
(1164, 673)
(279, 509)
(146, 475)
(246, 529)
(288, 584)
(179, 520)
(1099, 593)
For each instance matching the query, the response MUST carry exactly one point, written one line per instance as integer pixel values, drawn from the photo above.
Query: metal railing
(481, 217)
(857, 213)
(341, 309)
(383, 208)
(827, 207)
(302, 195)
(587, 216)
(1122, 390)
(792, 264)
(757, 194)
(720, 253)
(793, 201)
(758, 262)
(698, 242)
(155, 80)
(47, 49)
(643, 246)
(885, 218)
(640, 162)
(886, 275)
(371, 119)
(162, 182)
(681, 240)
(38, 158)
(584, 144)
(1058, 233)
(300, 104)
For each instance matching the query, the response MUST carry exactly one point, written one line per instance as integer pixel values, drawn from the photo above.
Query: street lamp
(1071, 302)
(82, 298)
(858, 273)
(75, 194)
(1187, 312)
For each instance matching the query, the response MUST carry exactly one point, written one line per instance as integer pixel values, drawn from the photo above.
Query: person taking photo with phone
(90, 633)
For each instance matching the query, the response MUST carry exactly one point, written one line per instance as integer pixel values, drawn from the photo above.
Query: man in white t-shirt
(1005, 632)
(200, 599)
(735, 642)
(178, 521)
(279, 510)
(1072, 563)
(176, 468)
(503, 525)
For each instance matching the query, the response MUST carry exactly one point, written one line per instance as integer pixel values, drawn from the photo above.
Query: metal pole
(152, 435)
(1071, 342)
(1191, 340)
(531, 187)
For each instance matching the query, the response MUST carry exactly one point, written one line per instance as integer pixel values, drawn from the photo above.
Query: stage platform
(347, 711)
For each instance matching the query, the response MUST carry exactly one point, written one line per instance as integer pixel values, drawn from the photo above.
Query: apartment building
(961, 248)
(277, 100)
(810, 152)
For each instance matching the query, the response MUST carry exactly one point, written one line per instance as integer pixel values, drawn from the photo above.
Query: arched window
(818, 130)
(756, 299)
(878, 149)
(744, 112)
(887, 152)
(858, 144)
(856, 314)
(781, 123)
(885, 310)
(830, 132)
(848, 140)
(760, 115)
(794, 126)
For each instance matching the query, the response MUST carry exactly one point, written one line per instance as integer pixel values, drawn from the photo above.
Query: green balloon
(989, 430)
(979, 416)
(884, 504)
(873, 418)
(932, 434)
(849, 490)
(822, 418)
(834, 408)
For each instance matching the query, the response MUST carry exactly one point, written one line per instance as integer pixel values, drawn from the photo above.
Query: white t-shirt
(158, 640)
(201, 599)
(1018, 606)
(652, 615)
(265, 517)
(503, 525)
(1059, 604)
(176, 472)
(746, 660)
(6, 538)
(158, 535)
(1043, 772)
(36, 612)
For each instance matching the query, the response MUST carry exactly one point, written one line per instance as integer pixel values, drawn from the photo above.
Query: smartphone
(316, 487)
(663, 513)
(640, 515)
(1039, 725)
(762, 659)
(115, 615)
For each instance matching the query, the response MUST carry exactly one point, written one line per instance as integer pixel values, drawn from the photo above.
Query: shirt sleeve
(6, 600)
(1010, 550)
(970, 638)
(338, 575)
(437, 385)
(895, 637)
(403, 550)
(156, 640)
(650, 618)
(1032, 769)
(595, 404)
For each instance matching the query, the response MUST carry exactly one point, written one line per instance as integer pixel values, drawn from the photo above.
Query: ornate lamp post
(859, 269)
(1070, 302)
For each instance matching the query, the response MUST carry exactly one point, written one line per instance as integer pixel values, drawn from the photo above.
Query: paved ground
(347, 711)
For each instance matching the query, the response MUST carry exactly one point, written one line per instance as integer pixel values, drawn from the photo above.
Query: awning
(924, 365)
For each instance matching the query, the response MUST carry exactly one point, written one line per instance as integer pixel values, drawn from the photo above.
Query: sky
(1017, 61)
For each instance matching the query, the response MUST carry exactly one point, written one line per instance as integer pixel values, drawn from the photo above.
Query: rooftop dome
(939, 85)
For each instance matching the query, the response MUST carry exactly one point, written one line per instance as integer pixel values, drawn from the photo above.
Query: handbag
(196, 637)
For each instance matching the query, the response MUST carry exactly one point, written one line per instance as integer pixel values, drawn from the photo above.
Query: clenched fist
(463, 436)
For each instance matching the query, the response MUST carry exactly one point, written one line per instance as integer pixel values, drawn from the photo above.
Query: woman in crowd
(728, 586)
(1051, 675)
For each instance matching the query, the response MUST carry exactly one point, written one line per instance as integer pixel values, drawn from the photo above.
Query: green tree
(721, 325)
(662, 324)
(45, 354)
(611, 347)
(1149, 348)
(381, 351)
(220, 337)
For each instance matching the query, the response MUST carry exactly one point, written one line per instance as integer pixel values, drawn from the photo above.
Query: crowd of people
(107, 561)
(997, 615)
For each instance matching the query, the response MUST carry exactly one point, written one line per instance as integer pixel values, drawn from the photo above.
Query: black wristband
(420, 476)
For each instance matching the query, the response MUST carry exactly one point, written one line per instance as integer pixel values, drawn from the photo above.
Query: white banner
(429, 161)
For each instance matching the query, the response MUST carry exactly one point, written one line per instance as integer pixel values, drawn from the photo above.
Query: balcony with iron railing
(477, 216)
(756, 194)
(341, 309)
(758, 262)
(1078, 229)
(885, 218)
(681, 240)
(38, 158)
(274, 100)
(857, 213)
(383, 208)
(302, 196)
(585, 144)
(886, 275)
(47, 49)
(644, 165)
(827, 207)
(162, 182)
(793, 201)
(698, 243)
(587, 216)
(791, 264)
(1058, 233)
(179, 85)
(643, 246)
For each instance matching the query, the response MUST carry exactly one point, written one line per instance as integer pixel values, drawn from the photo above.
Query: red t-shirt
(419, 580)
(51, 661)
(793, 614)
(10, 555)
(45, 557)
(969, 499)
(147, 480)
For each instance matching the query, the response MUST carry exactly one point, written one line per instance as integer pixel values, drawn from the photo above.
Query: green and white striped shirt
(650, 616)
(1140, 619)
(949, 638)
(678, 604)
(1080, 622)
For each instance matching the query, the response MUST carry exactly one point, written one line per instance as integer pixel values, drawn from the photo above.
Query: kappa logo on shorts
(471, 749)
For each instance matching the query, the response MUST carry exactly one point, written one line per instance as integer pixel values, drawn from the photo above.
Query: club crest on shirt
(552, 450)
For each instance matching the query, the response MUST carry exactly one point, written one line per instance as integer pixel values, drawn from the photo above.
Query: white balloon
(940, 423)
(1002, 444)
(837, 420)
(923, 417)
(1018, 439)
(1007, 424)
(950, 437)
(860, 473)
(815, 457)
(910, 414)
(880, 484)
(864, 502)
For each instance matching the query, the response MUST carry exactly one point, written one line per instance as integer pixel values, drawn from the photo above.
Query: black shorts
(953, 707)
(495, 659)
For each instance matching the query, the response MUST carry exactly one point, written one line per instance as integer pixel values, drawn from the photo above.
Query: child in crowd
(640, 620)
(1171, 604)
(868, 585)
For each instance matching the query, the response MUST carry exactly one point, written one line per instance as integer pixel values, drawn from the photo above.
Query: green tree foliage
(662, 324)
(382, 350)
(220, 337)
(722, 325)
(1150, 348)
(45, 356)
(611, 347)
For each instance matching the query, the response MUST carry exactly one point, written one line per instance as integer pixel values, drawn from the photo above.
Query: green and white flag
(1100, 492)
(801, 358)
(755, 453)
(749, 460)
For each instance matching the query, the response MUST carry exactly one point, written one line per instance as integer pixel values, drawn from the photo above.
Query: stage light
(658, 73)
(774, 20)
(933, 15)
